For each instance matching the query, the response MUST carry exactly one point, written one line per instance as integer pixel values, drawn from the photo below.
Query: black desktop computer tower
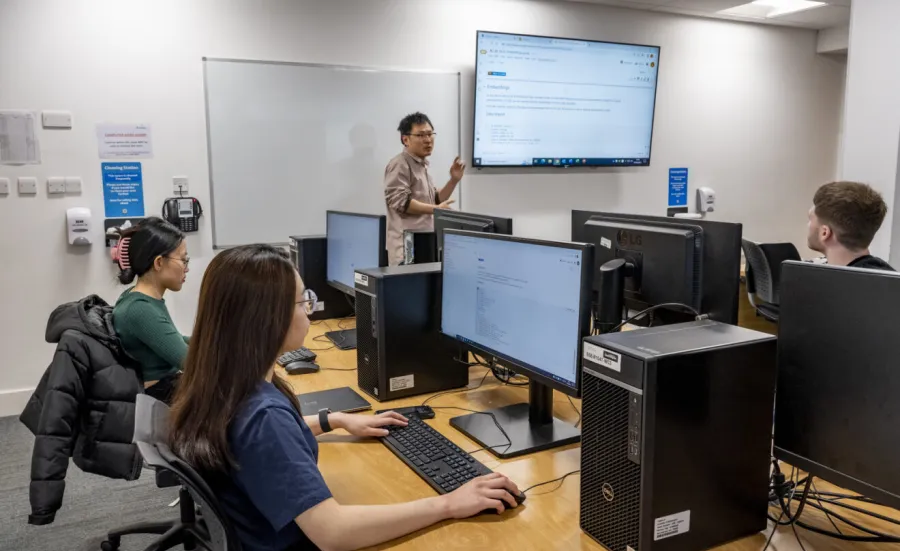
(400, 351)
(309, 256)
(676, 436)
(419, 247)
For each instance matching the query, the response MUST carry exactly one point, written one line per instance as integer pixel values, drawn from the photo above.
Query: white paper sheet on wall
(125, 141)
(18, 141)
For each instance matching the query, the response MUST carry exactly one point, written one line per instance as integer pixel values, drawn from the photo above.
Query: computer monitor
(836, 407)
(445, 219)
(642, 264)
(526, 303)
(353, 241)
(721, 271)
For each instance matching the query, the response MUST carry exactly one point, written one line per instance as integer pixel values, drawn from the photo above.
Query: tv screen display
(558, 102)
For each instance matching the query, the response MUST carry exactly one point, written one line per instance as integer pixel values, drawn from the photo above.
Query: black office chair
(202, 522)
(763, 274)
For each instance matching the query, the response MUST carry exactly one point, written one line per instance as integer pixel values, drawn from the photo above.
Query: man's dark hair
(406, 125)
(854, 211)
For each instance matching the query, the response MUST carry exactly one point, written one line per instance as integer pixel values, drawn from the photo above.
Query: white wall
(752, 110)
(871, 113)
(835, 40)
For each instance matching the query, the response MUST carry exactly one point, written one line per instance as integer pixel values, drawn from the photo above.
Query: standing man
(843, 221)
(409, 191)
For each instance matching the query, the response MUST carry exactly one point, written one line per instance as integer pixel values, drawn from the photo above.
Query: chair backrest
(776, 254)
(764, 267)
(151, 420)
(222, 534)
(150, 432)
(758, 272)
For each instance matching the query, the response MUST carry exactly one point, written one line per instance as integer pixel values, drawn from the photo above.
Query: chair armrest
(166, 479)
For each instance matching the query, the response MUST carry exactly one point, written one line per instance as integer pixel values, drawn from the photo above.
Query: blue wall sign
(123, 189)
(678, 187)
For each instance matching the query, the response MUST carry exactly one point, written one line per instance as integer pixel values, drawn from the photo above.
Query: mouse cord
(560, 480)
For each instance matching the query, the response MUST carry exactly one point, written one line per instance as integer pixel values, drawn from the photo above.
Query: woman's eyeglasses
(185, 261)
(309, 302)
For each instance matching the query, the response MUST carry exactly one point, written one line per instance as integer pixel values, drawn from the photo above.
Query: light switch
(56, 185)
(27, 185)
(4, 186)
(56, 119)
(73, 184)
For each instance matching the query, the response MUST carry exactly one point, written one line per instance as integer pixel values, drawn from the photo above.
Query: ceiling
(836, 13)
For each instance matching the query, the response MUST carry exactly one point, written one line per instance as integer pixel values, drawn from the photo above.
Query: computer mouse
(301, 368)
(422, 412)
(520, 498)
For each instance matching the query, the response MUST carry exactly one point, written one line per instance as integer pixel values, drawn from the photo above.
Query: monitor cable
(786, 491)
(578, 411)
(697, 315)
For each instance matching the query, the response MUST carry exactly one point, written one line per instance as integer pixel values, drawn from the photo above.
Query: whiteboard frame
(362, 69)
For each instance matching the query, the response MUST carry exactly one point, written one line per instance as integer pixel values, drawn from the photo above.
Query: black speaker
(676, 436)
(399, 349)
(419, 247)
(309, 256)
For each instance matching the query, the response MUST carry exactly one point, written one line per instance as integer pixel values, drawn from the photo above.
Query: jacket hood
(91, 316)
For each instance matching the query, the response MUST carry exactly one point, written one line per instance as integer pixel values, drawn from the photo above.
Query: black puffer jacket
(83, 407)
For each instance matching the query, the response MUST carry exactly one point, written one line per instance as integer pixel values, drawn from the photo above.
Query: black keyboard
(439, 461)
(302, 354)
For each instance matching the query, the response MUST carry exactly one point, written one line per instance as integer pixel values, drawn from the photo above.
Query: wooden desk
(361, 471)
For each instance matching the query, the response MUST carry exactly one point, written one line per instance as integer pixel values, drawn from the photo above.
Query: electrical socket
(180, 185)
(73, 184)
(27, 185)
(55, 185)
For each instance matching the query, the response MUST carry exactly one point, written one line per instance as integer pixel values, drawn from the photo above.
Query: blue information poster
(678, 187)
(123, 189)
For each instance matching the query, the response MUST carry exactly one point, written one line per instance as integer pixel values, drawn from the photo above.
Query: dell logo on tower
(608, 493)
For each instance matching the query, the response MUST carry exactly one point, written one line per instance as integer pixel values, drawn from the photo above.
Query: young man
(409, 191)
(842, 223)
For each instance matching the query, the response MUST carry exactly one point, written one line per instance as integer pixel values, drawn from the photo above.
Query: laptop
(343, 399)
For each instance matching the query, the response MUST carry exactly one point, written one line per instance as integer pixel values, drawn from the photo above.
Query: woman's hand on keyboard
(367, 425)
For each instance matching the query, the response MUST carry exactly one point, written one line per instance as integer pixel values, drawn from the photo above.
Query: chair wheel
(109, 546)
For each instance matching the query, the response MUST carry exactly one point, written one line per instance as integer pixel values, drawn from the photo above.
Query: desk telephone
(182, 212)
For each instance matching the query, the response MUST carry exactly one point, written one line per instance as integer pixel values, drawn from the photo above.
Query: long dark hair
(247, 302)
(151, 238)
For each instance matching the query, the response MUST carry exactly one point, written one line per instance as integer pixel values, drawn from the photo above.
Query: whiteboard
(289, 141)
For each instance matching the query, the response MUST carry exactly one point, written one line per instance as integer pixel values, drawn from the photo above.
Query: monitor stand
(344, 339)
(531, 427)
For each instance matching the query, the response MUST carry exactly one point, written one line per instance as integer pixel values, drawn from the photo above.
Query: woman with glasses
(154, 253)
(239, 424)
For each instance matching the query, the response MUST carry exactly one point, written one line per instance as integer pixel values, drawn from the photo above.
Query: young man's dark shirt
(871, 262)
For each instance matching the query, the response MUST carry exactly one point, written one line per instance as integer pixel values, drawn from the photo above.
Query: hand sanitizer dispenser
(79, 225)
(706, 200)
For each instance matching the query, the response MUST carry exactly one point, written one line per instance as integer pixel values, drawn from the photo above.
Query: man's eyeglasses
(309, 302)
(424, 135)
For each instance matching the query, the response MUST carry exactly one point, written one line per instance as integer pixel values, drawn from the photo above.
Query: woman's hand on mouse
(492, 491)
(367, 425)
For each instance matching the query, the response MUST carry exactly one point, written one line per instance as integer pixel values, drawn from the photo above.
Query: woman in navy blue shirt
(237, 422)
